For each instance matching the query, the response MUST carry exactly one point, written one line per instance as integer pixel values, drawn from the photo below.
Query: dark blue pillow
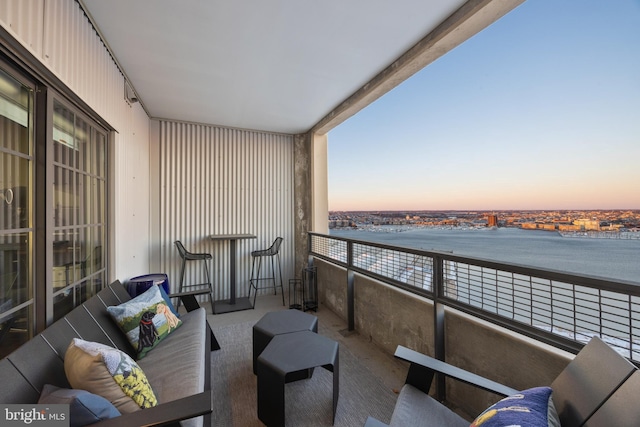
(84, 408)
(528, 408)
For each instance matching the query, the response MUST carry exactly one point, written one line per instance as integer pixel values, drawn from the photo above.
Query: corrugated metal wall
(213, 180)
(224, 181)
(59, 35)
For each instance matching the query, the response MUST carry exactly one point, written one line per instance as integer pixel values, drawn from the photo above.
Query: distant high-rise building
(492, 220)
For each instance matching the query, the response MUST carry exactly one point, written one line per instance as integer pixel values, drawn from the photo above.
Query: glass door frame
(31, 271)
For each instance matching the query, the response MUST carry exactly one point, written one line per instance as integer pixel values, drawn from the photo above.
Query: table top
(232, 236)
(156, 278)
(286, 321)
(299, 350)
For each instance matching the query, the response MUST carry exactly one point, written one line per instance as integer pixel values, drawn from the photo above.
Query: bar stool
(271, 252)
(190, 256)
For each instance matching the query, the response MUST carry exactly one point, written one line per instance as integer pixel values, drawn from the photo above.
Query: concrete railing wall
(389, 317)
(496, 353)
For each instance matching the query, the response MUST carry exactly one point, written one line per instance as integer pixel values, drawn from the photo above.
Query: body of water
(617, 259)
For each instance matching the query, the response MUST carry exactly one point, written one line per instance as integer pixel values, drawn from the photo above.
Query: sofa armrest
(164, 414)
(189, 298)
(423, 368)
(191, 303)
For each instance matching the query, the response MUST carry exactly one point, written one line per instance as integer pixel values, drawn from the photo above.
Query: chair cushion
(531, 408)
(84, 408)
(145, 320)
(417, 409)
(110, 373)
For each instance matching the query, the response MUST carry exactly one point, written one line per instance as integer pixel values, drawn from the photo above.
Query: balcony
(513, 324)
(368, 375)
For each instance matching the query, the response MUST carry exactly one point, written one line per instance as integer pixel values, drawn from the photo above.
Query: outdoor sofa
(177, 368)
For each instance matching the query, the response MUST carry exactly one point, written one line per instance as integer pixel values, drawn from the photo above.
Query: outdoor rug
(307, 402)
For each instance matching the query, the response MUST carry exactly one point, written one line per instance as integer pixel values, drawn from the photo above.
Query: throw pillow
(166, 298)
(84, 408)
(146, 320)
(529, 408)
(110, 373)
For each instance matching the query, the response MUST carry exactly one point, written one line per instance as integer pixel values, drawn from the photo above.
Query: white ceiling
(275, 65)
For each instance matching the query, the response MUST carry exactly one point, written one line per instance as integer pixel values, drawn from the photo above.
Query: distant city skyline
(539, 111)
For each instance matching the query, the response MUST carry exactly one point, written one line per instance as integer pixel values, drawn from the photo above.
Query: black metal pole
(438, 322)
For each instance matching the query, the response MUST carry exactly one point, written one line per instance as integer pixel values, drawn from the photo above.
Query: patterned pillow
(166, 298)
(110, 373)
(146, 320)
(84, 408)
(529, 408)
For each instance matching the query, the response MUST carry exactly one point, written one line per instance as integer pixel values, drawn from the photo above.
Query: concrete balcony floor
(387, 370)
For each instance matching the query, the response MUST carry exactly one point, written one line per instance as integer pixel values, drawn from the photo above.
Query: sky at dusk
(539, 111)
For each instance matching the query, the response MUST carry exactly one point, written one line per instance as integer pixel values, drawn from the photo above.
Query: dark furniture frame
(187, 256)
(40, 361)
(271, 252)
(234, 303)
(278, 323)
(292, 357)
(598, 387)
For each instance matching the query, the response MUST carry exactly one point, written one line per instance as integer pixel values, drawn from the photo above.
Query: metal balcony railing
(558, 308)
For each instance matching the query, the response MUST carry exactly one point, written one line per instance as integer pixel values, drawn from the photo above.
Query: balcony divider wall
(215, 180)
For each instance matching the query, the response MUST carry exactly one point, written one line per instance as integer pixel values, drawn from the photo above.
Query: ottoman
(288, 358)
(278, 323)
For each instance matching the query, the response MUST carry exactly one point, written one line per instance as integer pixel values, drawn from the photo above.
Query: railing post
(438, 322)
(350, 292)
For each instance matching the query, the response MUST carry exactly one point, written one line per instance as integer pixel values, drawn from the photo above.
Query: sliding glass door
(78, 188)
(16, 213)
(53, 186)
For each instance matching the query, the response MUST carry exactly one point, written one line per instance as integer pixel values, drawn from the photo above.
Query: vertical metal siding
(75, 52)
(224, 181)
(25, 20)
(59, 34)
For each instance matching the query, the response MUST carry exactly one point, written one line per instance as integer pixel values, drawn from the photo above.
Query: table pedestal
(233, 303)
(225, 305)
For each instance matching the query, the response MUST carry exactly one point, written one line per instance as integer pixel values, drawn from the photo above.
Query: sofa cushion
(146, 320)
(531, 408)
(184, 351)
(415, 408)
(110, 373)
(84, 408)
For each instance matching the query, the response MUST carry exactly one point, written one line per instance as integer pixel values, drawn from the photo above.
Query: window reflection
(76, 183)
(16, 285)
(78, 209)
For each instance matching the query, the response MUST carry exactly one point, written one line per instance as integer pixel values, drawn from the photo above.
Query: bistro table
(233, 303)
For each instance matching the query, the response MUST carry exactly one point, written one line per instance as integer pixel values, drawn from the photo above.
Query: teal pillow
(84, 408)
(529, 408)
(146, 320)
